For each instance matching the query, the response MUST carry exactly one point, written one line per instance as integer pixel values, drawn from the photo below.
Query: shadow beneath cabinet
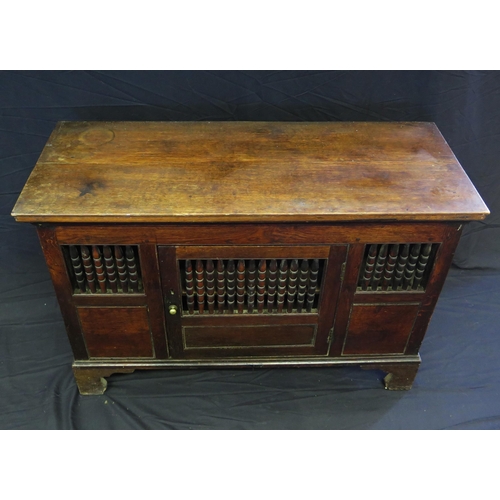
(277, 398)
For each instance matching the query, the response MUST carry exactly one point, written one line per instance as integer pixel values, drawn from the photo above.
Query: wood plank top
(247, 171)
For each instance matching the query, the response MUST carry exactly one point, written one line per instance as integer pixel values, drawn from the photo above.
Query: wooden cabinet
(254, 244)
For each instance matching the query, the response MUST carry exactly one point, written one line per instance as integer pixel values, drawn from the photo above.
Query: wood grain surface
(247, 171)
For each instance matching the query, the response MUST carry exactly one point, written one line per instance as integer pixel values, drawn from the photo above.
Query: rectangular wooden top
(247, 171)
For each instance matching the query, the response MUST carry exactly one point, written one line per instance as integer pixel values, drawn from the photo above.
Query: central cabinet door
(240, 301)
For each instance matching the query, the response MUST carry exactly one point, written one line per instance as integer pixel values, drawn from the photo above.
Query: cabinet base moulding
(91, 376)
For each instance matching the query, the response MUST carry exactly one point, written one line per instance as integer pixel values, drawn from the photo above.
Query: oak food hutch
(182, 244)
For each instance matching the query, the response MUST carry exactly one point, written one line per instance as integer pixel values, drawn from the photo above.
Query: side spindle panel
(396, 267)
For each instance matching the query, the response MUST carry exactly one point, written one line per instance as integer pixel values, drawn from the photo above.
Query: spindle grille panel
(396, 267)
(251, 286)
(103, 269)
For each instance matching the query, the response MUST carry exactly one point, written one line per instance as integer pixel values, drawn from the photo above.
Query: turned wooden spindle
(210, 284)
(369, 267)
(313, 283)
(303, 279)
(88, 267)
(99, 268)
(133, 275)
(200, 286)
(221, 286)
(400, 267)
(77, 268)
(251, 280)
(421, 265)
(189, 278)
(379, 266)
(231, 285)
(283, 274)
(292, 284)
(261, 285)
(389, 266)
(109, 263)
(271, 284)
(411, 265)
(121, 268)
(240, 286)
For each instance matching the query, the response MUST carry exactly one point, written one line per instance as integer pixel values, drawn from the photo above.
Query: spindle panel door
(242, 301)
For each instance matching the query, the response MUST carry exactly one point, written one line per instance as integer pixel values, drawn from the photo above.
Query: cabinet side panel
(442, 265)
(64, 290)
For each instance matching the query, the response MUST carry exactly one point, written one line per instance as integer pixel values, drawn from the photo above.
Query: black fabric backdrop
(458, 383)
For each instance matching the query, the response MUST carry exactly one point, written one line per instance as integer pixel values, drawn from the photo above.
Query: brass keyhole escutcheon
(172, 309)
